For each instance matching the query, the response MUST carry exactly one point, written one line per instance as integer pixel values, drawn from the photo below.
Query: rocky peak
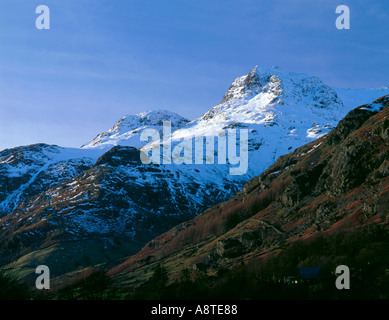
(250, 84)
(127, 130)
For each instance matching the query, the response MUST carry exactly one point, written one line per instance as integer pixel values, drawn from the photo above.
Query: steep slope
(335, 185)
(29, 170)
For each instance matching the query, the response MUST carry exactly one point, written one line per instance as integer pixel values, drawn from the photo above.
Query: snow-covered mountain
(29, 170)
(280, 110)
(127, 130)
(102, 193)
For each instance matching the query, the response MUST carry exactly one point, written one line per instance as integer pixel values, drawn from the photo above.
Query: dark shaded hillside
(96, 215)
(320, 205)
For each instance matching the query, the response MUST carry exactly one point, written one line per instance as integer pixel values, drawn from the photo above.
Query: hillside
(335, 188)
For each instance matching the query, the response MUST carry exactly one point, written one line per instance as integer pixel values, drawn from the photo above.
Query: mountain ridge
(55, 199)
(327, 187)
(126, 130)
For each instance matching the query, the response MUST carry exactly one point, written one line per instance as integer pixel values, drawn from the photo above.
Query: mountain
(97, 205)
(324, 204)
(29, 170)
(126, 131)
(95, 212)
(280, 110)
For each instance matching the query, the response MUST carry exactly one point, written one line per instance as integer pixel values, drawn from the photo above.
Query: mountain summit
(264, 88)
(281, 110)
(127, 130)
(244, 85)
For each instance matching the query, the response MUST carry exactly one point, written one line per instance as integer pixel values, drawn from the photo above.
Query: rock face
(334, 185)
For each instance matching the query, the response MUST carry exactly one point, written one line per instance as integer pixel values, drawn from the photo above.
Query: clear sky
(103, 59)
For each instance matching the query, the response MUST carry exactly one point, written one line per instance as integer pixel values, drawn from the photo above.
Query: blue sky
(104, 59)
